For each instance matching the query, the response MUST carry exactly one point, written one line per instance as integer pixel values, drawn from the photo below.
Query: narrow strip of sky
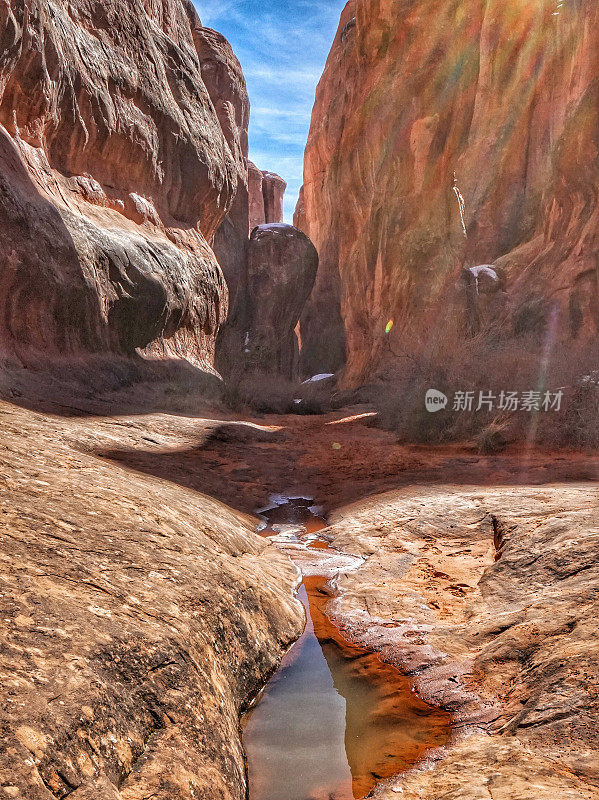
(282, 46)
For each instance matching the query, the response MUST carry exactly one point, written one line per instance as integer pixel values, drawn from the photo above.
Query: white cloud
(282, 46)
(213, 11)
(271, 112)
(275, 74)
(289, 167)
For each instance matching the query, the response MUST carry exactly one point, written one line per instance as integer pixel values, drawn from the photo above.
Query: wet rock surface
(506, 645)
(489, 597)
(140, 613)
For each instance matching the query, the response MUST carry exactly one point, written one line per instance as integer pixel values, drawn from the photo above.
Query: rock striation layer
(447, 135)
(267, 190)
(121, 145)
(259, 201)
(487, 595)
(222, 74)
(138, 617)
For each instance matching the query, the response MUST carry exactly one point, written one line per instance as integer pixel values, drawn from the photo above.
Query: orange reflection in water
(388, 728)
(335, 719)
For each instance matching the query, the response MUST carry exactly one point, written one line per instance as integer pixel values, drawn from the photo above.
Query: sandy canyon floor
(140, 612)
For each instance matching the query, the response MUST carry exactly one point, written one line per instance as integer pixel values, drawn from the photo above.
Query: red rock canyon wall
(267, 190)
(122, 144)
(504, 95)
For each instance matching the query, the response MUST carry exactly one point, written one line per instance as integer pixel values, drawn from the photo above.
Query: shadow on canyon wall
(109, 386)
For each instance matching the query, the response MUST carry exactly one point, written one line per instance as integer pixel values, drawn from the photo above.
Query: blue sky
(282, 46)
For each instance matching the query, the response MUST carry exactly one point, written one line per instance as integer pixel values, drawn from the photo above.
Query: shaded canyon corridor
(241, 558)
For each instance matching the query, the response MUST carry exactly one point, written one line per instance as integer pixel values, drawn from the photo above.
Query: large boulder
(258, 200)
(282, 266)
(118, 165)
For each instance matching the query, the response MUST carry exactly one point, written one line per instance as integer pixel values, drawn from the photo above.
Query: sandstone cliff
(267, 190)
(258, 201)
(503, 96)
(122, 146)
(222, 74)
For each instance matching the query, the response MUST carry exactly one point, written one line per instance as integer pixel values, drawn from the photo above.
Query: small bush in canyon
(274, 394)
(491, 365)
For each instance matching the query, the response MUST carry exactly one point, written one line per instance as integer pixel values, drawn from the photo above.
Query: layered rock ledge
(138, 617)
(489, 597)
(140, 614)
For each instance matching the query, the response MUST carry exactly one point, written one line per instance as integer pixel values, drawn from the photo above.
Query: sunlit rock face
(273, 189)
(267, 190)
(119, 161)
(158, 615)
(447, 135)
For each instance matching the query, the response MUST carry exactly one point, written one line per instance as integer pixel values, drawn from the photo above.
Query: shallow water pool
(334, 719)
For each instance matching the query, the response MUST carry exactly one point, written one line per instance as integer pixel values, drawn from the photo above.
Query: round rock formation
(282, 266)
(118, 163)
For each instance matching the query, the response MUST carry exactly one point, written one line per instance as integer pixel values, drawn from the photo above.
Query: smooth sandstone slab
(137, 617)
(489, 596)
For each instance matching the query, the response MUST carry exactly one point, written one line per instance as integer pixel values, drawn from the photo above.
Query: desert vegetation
(488, 365)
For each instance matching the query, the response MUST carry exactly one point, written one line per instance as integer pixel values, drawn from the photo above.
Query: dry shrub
(264, 394)
(490, 364)
(494, 437)
(273, 394)
(577, 425)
